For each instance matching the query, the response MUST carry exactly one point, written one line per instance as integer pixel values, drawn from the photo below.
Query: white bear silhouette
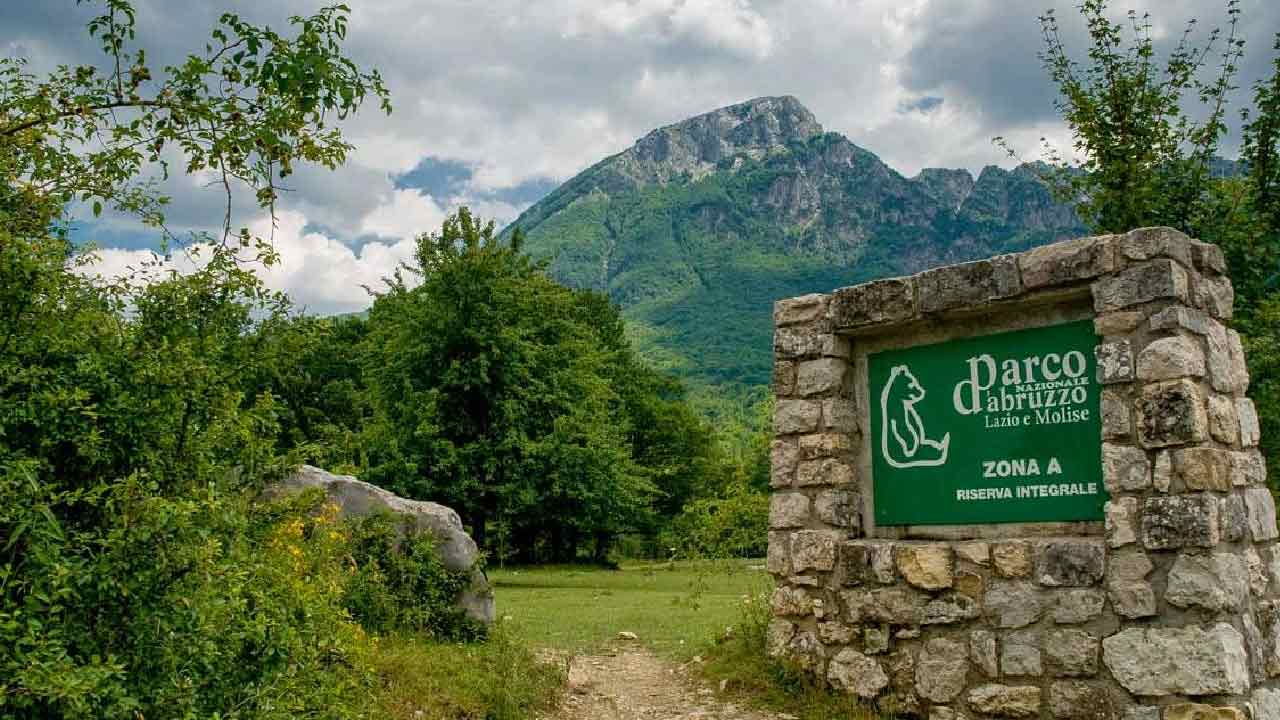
(903, 441)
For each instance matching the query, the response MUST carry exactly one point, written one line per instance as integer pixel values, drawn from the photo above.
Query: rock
(1203, 468)
(1248, 468)
(978, 553)
(1162, 474)
(938, 712)
(1224, 426)
(1116, 423)
(1215, 296)
(941, 670)
(783, 458)
(1181, 521)
(1069, 563)
(823, 376)
(982, 652)
(790, 601)
(1115, 362)
(1257, 572)
(805, 652)
(796, 416)
(927, 567)
(1233, 518)
(840, 414)
(901, 698)
(1125, 468)
(969, 284)
(1208, 258)
(1011, 701)
(1071, 653)
(778, 560)
(1171, 358)
(1155, 242)
(875, 639)
(825, 445)
(1248, 415)
(838, 508)
(1131, 595)
(358, 499)
(808, 341)
(1121, 521)
(1149, 281)
(1216, 581)
(813, 550)
(784, 378)
(828, 471)
(1178, 661)
(1066, 262)
(1266, 704)
(1012, 558)
(970, 584)
(627, 635)
(778, 637)
(1020, 655)
(1142, 712)
(1076, 700)
(1014, 604)
(788, 510)
(1227, 372)
(856, 673)
(879, 301)
(1078, 606)
(1120, 322)
(1171, 413)
(832, 632)
(802, 309)
(949, 608)
(1261, 508)
(1196, 711)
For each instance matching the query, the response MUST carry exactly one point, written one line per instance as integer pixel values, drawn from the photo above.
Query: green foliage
(735, 524)
(400, 583)
(1149, 134)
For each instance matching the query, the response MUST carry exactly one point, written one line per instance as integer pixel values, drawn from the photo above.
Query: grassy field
(675, 608)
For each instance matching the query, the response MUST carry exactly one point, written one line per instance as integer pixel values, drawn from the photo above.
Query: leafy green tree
(492, 395)
(1147, 135)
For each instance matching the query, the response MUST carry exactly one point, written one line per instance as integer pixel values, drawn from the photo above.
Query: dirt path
(628, 682)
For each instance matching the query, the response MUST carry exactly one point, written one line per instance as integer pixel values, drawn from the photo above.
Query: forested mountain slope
(701, 225)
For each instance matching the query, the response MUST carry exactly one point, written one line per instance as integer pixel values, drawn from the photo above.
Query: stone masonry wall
(1168, 610)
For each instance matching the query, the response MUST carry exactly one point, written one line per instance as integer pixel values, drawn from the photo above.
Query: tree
(1148, 136)
(492, 394)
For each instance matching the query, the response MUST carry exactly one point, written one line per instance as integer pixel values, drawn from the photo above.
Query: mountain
(697, 228)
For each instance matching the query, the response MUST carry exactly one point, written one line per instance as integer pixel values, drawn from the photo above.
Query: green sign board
(992, 429)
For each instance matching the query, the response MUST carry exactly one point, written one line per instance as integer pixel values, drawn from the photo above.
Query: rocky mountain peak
(695, 146)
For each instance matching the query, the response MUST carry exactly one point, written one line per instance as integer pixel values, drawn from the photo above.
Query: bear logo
(903, 440)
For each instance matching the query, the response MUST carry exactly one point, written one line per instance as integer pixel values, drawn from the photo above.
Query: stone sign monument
(1027, 487)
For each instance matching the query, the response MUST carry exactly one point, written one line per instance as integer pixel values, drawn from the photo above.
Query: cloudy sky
(498, 101)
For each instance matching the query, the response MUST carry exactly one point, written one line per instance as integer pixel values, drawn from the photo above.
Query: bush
(734, 525)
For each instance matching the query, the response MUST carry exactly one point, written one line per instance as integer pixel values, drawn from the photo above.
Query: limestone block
(834, 472)
(1152, 280)
(1078, 605)
(928, 567)
(1078, 700)
(1248, 468)
(824, 376)
(1261, 508)
(875, 302)
(1189, 660)
(1227, 370)
(875, 639)
(788, 510)
(1179, 317)
(938, 712)
(778, 561)
(1215, 581)
(1156, 242)
(784, 378)
(825, 444)
(1162, 473)
(810, 340)
(802, 309)
(778, 637)
(1257, 572)
(1125, 468)
(856, 673)
(1020, 655)
(1171, 413)
(1012, 558)
(1170, 358)
(1070, 652)
(941, 669)
(840, 414)
(783, 457)
(1142, 712)
(1115, 362)
(1014, 604)
(970, 584)
(1121, 520)
(796, 416)
(1208, 258)
(1070, 563)
(1266, 704)
(790, 601)
(1233, 518)
(948, 608)
(1116, 423)
(1131, 595)
(1121, 322)
(1180, 521)
(1008, 701)
(805, 652)
(813, 550)
(969, 284)
(901, 696)
(978, 553)
(1214, 295)
(982, 652)
(1224, 425)
(1248, 415)
(893, 605)
(1066, 262)
(1196, 711)
(1203, 468)
(834, 632)
(838, 508)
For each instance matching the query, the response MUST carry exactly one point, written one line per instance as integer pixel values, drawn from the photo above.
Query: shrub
(735, 524)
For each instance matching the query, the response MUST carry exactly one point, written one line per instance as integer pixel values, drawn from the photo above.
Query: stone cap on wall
(1049, 273)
